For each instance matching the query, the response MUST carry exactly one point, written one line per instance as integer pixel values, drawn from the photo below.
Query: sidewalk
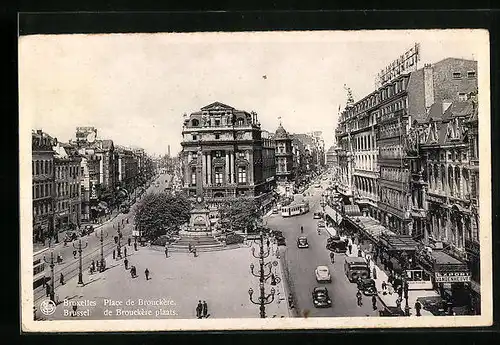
(390, 298)
(221, 278)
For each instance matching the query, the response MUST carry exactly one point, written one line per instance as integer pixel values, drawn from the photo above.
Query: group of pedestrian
(202, 310)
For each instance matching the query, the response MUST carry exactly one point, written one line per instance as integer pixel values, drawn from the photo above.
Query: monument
(199, 219)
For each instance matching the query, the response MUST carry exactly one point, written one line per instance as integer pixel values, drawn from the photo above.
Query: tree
(241, 214)
(158, 212)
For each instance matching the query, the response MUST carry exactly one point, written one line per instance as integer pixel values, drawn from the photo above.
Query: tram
(295, 209)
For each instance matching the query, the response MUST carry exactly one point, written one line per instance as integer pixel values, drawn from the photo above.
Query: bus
(356, 267)
(294, 209)
(38, 272)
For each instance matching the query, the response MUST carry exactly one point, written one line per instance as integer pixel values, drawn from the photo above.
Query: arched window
(240, 121)
(195, 122)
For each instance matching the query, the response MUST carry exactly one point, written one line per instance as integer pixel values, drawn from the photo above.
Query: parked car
(317, 215)
(367, 286)
(321, 224)
(391, 311)
(320, 297)
(275, 210)
(336, 244)
(323, 274)
(302, 242)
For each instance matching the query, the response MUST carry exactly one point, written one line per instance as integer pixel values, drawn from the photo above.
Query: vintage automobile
(336, 244)
(391, 311)
(317, 215)
(323, 274)
(367, 286)
(302, 242)
(320, 297)
(321, 224)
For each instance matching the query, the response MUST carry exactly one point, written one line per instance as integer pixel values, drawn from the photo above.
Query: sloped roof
(459, 109)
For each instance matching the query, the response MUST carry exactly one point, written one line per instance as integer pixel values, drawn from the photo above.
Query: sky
(135, 88)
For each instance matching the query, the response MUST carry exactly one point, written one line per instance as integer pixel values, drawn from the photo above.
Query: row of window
(377, 97)
(65, 172)
(391, 197)
(364, 142)
(366, 162)
(455, 156)
(365, 185)
(451, 183)
(394, 174)
(388, 131)
(42, 209)
(391, 151)
(470, 75)
(42, 190)
(218, 175)
(42, 167)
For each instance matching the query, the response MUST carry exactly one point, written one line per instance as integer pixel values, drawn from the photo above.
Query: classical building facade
(232, 150)
(67, 186)
(42, 185)
(285, 175)
(127, 168)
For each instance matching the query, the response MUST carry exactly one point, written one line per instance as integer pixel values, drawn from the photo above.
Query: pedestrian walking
(135, 246)
(114, 254)
(61, 279)
(384, 288)
(374, 302)
(350, 248)
(374, 272)
(332, 257)
(166, 252)
(398, 302)
(129, 241)
(146, 273)
(125, 251)
(194, 251)
(205, 309)
(359, 297)
(190, 248)
(199, 310)
(47, 290)
(126, 263)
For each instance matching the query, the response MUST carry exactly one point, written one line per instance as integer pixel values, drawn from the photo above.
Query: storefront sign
(452, 277)
(419, 284)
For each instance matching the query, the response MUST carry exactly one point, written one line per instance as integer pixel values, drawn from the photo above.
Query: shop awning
(399, 242)
(445, 267)
(352, 210)
(371, 227)
(336, 216)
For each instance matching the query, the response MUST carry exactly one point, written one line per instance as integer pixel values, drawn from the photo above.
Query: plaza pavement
(221, 278)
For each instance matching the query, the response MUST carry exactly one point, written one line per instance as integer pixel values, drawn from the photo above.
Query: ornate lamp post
(119, 244)
(80, 248)
(263, 298)
(102, 265)
(51, 263)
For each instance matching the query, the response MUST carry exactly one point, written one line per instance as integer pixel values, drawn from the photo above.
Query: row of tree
(159, 213)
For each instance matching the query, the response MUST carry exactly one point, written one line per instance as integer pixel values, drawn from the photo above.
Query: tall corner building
(237, 156)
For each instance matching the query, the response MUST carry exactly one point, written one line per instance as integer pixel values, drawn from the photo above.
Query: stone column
(227, 168)
(209, 167)
(204, 168)
(232, 165)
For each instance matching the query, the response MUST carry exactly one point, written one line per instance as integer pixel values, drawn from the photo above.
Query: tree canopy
(241, 214)
(159, 212)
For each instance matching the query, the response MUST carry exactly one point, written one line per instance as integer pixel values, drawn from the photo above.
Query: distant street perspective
(370, 211)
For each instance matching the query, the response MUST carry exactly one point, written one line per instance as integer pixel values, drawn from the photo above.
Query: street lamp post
(51, 263)
(102, 265)
(80, 272)
(263, 298)
(119, 244)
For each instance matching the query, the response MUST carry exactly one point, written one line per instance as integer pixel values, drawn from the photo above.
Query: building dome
(281, 133)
